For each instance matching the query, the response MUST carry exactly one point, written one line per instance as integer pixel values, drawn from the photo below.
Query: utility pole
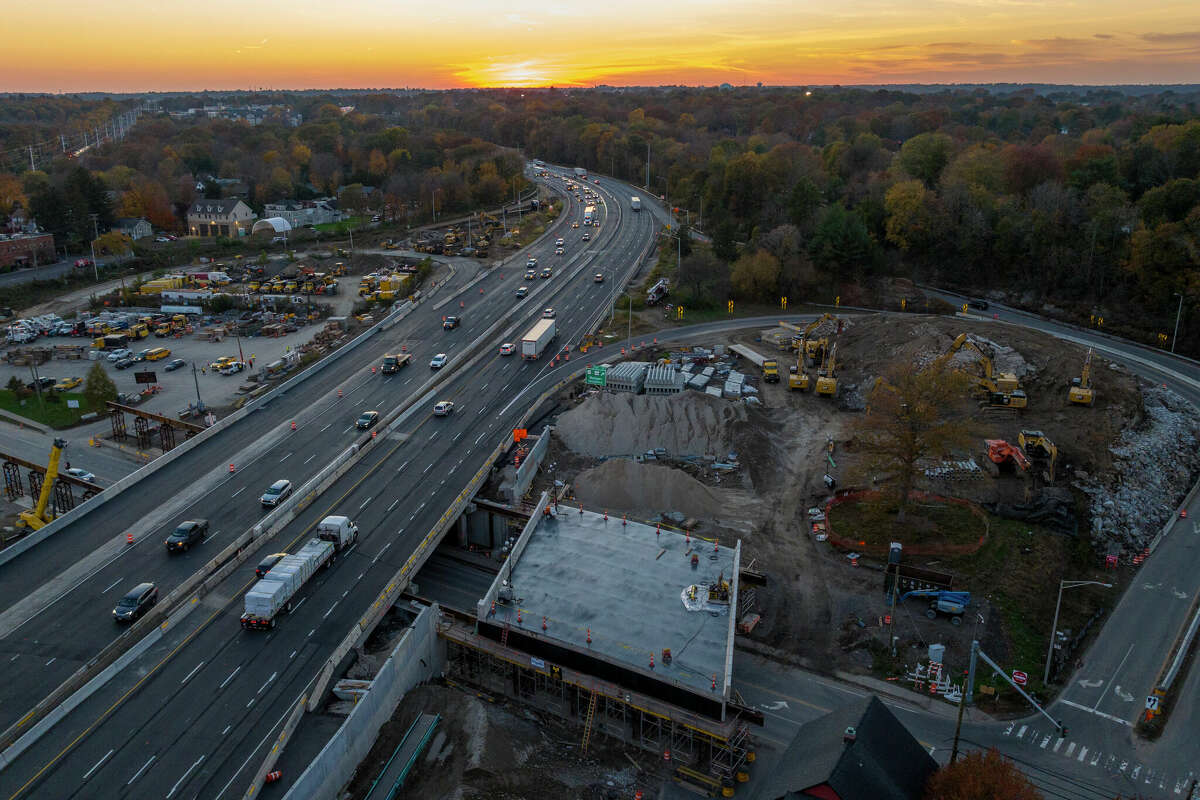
(92, 244)
(31, 166)
(1178, 314)
(199, 402)
(1054, 626)
(647, 166)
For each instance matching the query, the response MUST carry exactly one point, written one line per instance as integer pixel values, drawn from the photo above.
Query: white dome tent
(277, 226)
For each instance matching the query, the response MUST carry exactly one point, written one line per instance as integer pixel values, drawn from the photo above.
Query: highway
(202, 709)
(57, 598)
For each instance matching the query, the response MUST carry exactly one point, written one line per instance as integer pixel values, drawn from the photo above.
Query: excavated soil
(609, 424)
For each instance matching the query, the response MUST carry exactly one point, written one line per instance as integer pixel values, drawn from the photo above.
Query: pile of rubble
(1156, 463)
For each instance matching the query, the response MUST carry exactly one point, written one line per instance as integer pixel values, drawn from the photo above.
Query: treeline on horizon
(1086, 200)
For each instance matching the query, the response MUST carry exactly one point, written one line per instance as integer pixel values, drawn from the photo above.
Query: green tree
(925, 156)
(724, 245)
(841, 244)
(910, 418)
(98, 387)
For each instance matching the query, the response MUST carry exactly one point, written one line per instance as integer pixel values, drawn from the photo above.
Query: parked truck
(537, 339)
(769, 366)
(277, 590)
(635, 203)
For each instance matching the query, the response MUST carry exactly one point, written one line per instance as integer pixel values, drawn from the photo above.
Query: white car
(233, 367)
(587, 237)
(438, 361)
(548, 313)
(82, 474)
(558, 251)
(560, 242)
(117, 355)
(531, 262)
(507, 349)
(443, 409)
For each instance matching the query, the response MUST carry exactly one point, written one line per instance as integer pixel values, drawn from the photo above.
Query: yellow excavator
(1041, 451)
(37, 517)
(1002, 388)
(1081, 392)
(827, 375)
(802, 340)
(798, 378)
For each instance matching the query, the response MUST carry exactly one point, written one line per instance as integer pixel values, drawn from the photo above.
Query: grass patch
(875, 524)
(340, 227)
(50, 410)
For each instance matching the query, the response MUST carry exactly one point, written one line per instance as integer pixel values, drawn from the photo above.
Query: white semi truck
(635, 203)
(277, 590)
(537, 339)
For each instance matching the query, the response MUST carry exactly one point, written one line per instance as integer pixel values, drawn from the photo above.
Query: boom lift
(1081, 391)
(827, 374)
(37, 518)
(952, 604)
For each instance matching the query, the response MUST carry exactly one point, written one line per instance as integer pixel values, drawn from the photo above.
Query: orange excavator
(1002, 455)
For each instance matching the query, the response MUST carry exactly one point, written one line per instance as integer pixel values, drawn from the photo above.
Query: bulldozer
(1081, 392)
(827, 375)
(37, 517)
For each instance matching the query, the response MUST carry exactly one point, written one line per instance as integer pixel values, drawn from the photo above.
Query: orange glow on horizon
(67, 46)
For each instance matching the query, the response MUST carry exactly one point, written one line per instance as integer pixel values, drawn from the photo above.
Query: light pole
(96, 270)
(1054, 626)
(1178, 314)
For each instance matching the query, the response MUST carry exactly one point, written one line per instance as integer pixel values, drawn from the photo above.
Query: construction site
(694, 503)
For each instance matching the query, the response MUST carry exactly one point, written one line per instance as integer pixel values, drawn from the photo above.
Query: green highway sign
(597, 376)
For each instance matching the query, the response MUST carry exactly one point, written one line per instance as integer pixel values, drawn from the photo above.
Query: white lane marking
(330, 611)
(386, 546)
(51, 661)
(14, 658)
(481, 388)
(293, 655)
(269, 735)
(1109, 717)
(184, 776)
(434, 435)
(138, 774)
(225, 682)
(348, 429)
(239, 491)
(310, 458)
(402, 466)
(1116, 672)
(297, 607)
(211, 535)
(345, 593)
(411, 517)
(480, 439)
(1021, 732)
(88, 774)
(114, 583)
(427, 469)
(285, 458)
(310, 633)
(274, 675)
(326, 427)
(418, 509)
(458, 436)
(443, 483)
(480, 412)
(393, 505)
(360, 576)
(227, 727)
(193, 672)
(364, 504)
(250, 703)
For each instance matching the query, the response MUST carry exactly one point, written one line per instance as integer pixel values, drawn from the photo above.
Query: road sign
(145, 377)
(597, 376)
(1152, 702)
(1019, 678)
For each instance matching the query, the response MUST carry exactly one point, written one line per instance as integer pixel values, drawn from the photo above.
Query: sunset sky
(144, 45)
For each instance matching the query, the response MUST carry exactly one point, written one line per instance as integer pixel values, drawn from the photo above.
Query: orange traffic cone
(128, 538)
(293, 425)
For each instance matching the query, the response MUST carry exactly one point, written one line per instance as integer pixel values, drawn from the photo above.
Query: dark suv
(136, 603)
(451, 323)
(276, 493)
(265, 565)
(187, 534)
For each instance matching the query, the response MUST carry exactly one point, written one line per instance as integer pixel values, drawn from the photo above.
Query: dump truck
(769, 366)
(392, 362)
(537, 339)
(277, 590)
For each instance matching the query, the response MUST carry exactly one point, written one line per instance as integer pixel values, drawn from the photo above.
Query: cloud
(1103, 36)
(1173, 38)
(950, 44)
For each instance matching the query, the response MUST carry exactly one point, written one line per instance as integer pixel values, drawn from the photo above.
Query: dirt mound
(623, 485)
(690, 423)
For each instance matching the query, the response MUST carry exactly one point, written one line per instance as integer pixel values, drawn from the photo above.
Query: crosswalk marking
(1082, 753)
(1058, 744)
(1021, 732)
(1070, 750)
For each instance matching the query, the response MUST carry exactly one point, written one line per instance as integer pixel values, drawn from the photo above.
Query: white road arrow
(1179, 594)
(778, 705)
(1126, 696)
(1091, 684)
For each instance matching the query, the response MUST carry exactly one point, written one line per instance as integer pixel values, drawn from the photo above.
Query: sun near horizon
(70, 45)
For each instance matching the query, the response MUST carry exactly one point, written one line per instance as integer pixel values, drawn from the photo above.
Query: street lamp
(1054, 626)
(1178, 314)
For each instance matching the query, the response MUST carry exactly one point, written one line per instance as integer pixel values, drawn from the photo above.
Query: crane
(37, 518)
(827, 374)
(1081, 392)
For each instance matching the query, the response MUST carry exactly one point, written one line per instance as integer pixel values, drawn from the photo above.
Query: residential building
(859, 751)
(26, 250)
(312, 212)
(134, 228)
(228, 217)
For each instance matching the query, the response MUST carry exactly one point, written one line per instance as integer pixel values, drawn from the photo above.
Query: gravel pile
(623, 485)
(1156, 463)
(613, 424)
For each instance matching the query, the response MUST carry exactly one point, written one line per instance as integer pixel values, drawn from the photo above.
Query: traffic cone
(606, 515)
(372, 370)
(543, 623)
(339, 393)
(128, 538)
(623, 521)
(714, 683)
(374, 434)
(231, 469)
(652, 661)
(272, 776)
(492, 613)
(518, 615)
(293, 425)
(715, 547)
(589, 636)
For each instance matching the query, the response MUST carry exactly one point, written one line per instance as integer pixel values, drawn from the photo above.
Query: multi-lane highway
(208, 694)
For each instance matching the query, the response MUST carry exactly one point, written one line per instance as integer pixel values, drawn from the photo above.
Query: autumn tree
(910, 418)
(755, 276)
(112, 243)
(980, 775)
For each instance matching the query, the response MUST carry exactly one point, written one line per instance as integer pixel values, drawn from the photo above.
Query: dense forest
(1086, 200)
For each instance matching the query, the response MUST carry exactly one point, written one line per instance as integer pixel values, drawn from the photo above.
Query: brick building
(22, 250)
